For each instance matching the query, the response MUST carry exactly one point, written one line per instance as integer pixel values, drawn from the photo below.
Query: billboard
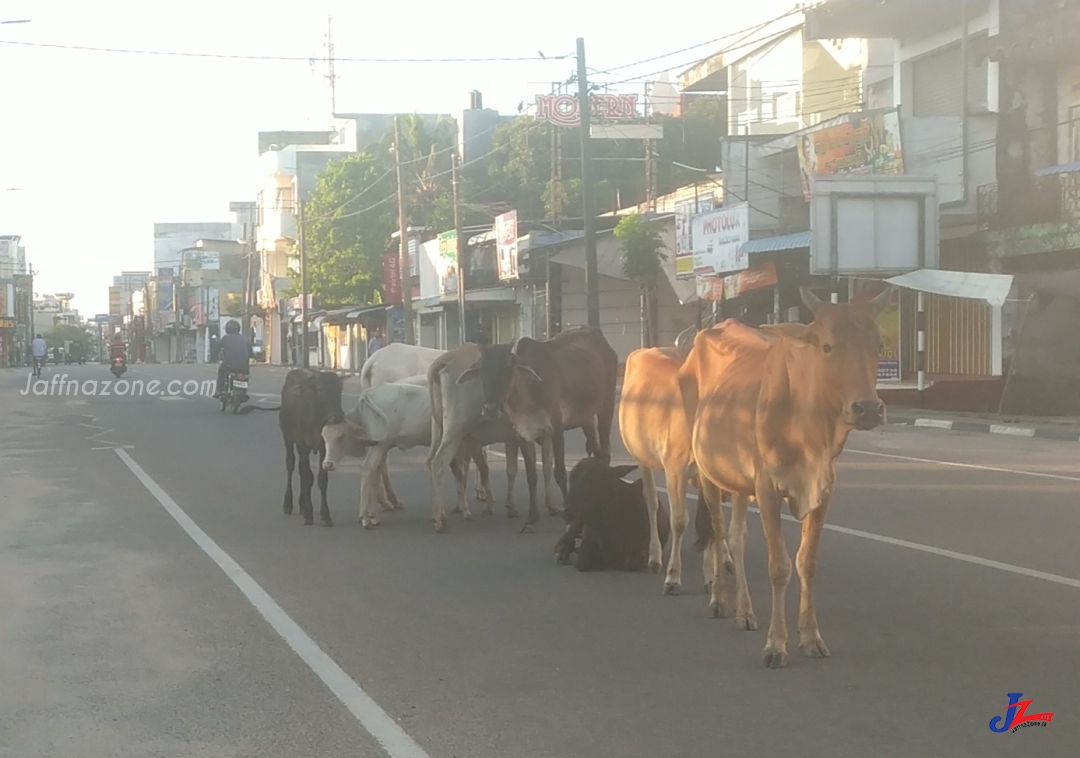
(717, 237)
(165, 290)
(564, 110)
(684, 239)
(115, 310)
(506, 238)
(446, 264)
(392, 277)
(888, 320)
(7, 298)
(864, 143)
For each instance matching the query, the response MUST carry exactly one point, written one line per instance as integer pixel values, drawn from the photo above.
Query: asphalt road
(949, 577)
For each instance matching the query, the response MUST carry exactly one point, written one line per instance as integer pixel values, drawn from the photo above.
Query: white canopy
(993, 288)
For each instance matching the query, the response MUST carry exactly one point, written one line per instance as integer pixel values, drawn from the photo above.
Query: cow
(611, 518)
(770, 411)
(655, 432)
(309, 400)
(545, 388)
(457, 420)
(391, 415)
(400, 362)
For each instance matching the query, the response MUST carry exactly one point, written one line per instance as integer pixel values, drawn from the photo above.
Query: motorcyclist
(116, 348)
(235, 353)
(39, 350)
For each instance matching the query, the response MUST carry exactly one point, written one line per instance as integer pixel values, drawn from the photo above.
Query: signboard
(563, 110)
(506, 239)
(212, 304)
(446, 265)
(165, 290)
(115, 311)
(865, 143)
(888, 319)
(7, 298)
(684, 239)
(392, 278)
(717, 237)
(204, 261)
(395, 323)
(7, 323)
(101, 318)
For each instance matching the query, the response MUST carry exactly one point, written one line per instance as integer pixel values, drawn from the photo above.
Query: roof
(775, 244)
(1064, 168)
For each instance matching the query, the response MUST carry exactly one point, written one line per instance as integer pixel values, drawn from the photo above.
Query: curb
(983, 427)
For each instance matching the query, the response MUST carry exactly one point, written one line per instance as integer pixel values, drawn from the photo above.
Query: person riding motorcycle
(235, 353)
(39, 351)
(116, 348)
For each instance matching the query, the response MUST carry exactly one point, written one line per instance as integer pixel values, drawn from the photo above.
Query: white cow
(391, 415)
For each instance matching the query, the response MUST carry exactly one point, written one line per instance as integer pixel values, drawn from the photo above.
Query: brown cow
(771, 410)
(656, 433)
(546, 388)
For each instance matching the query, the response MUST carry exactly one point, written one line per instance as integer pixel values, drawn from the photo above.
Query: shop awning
(993, 288)
(1064, 168)
(357, 313)
(776, 244)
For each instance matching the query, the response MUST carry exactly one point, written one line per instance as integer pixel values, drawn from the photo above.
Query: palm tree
(425, 151)
(643, 262)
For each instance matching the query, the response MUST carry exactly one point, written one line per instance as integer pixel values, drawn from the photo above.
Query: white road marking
(934, 423)
(377, 722)
(1017, 431)
(976, 466)
(964, 557)
(117, 446)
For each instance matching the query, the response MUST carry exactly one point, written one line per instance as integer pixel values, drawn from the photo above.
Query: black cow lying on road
(309, 400)
(610, 517)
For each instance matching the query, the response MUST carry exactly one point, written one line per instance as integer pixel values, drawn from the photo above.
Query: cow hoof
(387, 507)
(672, 588)
(308, 521)
(718, 610)
(528, 529)
(327, 522)
(372, 524)
(288, 509)
(467, 515)
(814, 648)
(655, 567)
(774, 657)
(554, 512)
(747, 623)
(399, 506)
(440, 527)
(512, 513)
(456, 509)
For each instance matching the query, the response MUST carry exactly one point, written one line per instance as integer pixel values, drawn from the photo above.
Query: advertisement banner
(718, 237)
(7, 298)
(391, 264)
(506, 238)
(446, 266)
(213, 305)
(889, 354)
(114, 303)
(684, 239)
(866, 143)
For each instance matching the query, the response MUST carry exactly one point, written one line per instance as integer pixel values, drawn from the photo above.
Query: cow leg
(483, 479)
(810, 642)
(745, 620)
(393, 503)
(589, 556)
(307, 478)
(546, 455)
(656, 550)
(676, 482)
(290, 466)
(438, 461)
(769, 504)
(592, 438)
(716, 551)
(605, 416)
(528, 454)
(370, 481)
(558, 449)
(460, 469)
(324, 481)
(512, 450)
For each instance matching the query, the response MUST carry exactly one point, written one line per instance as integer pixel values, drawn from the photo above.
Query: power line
(294, 58)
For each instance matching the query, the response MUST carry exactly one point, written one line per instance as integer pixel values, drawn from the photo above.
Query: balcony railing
(1046, 200)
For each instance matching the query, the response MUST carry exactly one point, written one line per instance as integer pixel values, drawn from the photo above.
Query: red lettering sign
(392, 278)
(563, 110)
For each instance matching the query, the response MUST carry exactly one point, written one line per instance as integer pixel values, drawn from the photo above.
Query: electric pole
(406, 270)
(460, 242)
(304, 359)
(592, 276)
(30, 296)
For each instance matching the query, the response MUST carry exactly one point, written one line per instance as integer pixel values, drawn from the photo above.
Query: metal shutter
(937, 82)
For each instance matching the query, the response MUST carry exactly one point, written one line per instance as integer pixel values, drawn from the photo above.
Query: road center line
(976, 466)
(942, 552)
(374, 720)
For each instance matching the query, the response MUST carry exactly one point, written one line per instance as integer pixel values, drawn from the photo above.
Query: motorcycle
(235, 394)
(119, 366)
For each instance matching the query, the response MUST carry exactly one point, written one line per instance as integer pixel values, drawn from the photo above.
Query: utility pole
(331, 75)
(406, 270)
(304, 358)
(460, 248)
(30, 311)
(592, 276)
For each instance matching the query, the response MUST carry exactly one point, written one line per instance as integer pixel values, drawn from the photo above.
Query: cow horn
(810, 300)
(514, 347)
(879, 301)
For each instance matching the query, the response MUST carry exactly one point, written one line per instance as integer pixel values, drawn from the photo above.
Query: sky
(101, 145)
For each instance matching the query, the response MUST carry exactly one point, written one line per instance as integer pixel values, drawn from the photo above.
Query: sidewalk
(1043, 427)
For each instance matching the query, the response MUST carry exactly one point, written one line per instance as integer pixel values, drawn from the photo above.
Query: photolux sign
(563, 110)
(392, 278)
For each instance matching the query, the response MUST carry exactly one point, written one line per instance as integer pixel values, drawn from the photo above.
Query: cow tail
(703, 526)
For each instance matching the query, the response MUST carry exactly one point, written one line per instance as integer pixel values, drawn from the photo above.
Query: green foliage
(56, 336)
(642, 245)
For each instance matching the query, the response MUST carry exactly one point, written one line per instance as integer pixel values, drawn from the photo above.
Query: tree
(59, 334)
(344, 247)
(642, 245)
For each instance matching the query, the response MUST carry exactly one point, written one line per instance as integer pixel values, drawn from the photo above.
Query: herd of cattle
(747, 413)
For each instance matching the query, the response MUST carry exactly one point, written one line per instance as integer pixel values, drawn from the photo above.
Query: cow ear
(624, 470)
(810, 300)
(469, 374)
(878, 302)
(529, 371)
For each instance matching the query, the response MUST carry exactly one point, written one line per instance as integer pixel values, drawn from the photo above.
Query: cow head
(847, 340)
(591, 481)
(342, 439)
(328, 388)
(496, 370)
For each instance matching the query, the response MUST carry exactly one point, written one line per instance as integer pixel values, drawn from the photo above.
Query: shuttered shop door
(937, 85)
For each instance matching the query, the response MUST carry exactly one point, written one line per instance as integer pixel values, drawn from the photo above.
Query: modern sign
(563, 110)
(684, 239)
(718, 237)
(873, 225)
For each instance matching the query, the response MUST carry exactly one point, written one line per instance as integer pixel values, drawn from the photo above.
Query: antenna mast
(330, 75)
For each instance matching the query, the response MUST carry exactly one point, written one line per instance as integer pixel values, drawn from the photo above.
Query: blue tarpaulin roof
(775, 244)
(1064, 168)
